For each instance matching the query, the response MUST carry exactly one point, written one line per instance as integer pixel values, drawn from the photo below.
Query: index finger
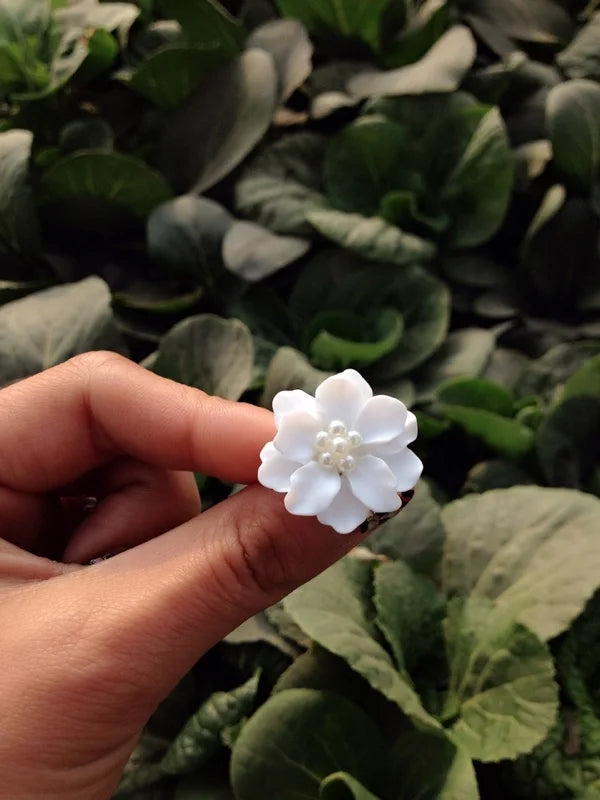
(59, 424)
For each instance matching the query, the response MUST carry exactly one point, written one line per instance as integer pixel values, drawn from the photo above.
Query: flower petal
(407, 467)
(295, 438)
(345, 513)
(381, 419)
(312, 489)
(374, 484)
(293, 400)
(342, 396)
(276, 470)
(408, 435)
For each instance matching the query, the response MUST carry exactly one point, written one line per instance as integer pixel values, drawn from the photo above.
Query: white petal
(312, 489)
(408, 435)
(381, 419)
(374, 484)
(293, 400)
(276, 470)
(407, 467)
(345, 513)
(295, 438)
(342, 396)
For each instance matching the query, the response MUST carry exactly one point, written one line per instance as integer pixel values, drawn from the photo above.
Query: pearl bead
(346, 464)
(321, 440)
(340, 444)
(337, 428)
(326, 460)
(355, 438)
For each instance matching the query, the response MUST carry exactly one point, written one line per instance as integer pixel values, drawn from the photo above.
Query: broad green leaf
(417, 31)
(283, 183)
(341, 786)
(339, 339)
(259, 629)
(209, 353)
(288, 43)
(502, 699)
(170, 75)
(121, 179)
(581, 58)
(146, 297)
(506, 436)
(93, 133)
(365, 161)
(186, 234)
(494, 474)
(252, 252)
(297, 739)
(350, 18)
(538, 21)
(51, 326)
(506, 366)
(330, 610)
(371, 237)
(557, 365)
(442, 69)
(432, 768)
(18, 222)
(568, 442)
(475, 269)
(478, 189)
(465, 352)
(409, 614)
(201, 19)
(573, 119)
(586, 381)
(81, 15)
(535, 551)
(478, 393)
(13, 290)
(416, 535)
(290, 369)
(221, 122)
(552, 202)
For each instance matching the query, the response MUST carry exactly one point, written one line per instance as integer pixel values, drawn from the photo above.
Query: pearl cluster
(333, 447)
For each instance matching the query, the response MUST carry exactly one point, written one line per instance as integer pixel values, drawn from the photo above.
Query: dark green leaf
(506, 436)
(341, 786)
(538, 21)
(442, 69)
(18, 221)
(209, 353)
(581, 59)
(573, 118)
(92, 133)
(220, 123)
(478, 393)
(534, 551)
(252, 252)
(288, 43)
(586, 381)
(49, 327)
(201, 19)
(494, 474)
(465, 352)
(289, 369)
(121, 179)
(283, 183)
(350, 18)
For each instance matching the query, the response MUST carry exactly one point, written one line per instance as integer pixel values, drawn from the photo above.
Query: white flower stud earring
(342, 455)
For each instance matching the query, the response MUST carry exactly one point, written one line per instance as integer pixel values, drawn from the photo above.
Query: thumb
(152, 611)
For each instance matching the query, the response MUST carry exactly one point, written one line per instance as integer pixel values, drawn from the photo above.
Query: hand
(89, 651)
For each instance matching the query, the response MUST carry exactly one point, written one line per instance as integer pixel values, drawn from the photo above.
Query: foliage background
(245, 197)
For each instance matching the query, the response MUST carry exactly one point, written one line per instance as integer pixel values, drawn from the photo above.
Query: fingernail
(375, 520)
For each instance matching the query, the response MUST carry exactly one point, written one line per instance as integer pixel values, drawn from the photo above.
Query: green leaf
(502, 699)
(478, 393)
(51, 326)
(201, 19)
(466, 352)
(478, 190)
(538, 21)
(573, 120)
(545, 374)
(415, 536)
(431, 767)
(349, 18)
(409, 614)
(18, 222)
(92, 133)
(339, 339)
(287, 42)
(568, 442)
(170, 75)
(209, 353)
(586, 381)
(220, 123)
(121, 179)
(252, 252)
(283, 183)
(535, 551)
(297, 739)
(581, 58)
(290, 369)
(494, 474)
(371, 237)
(341, 786)
(506, 436)
(81, 15)
(330, 610)
(186, 234)
(442, 69)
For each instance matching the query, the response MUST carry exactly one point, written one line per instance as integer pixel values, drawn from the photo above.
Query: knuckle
(88, 364)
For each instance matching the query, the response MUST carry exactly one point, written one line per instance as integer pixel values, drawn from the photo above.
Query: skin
(88, 652)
